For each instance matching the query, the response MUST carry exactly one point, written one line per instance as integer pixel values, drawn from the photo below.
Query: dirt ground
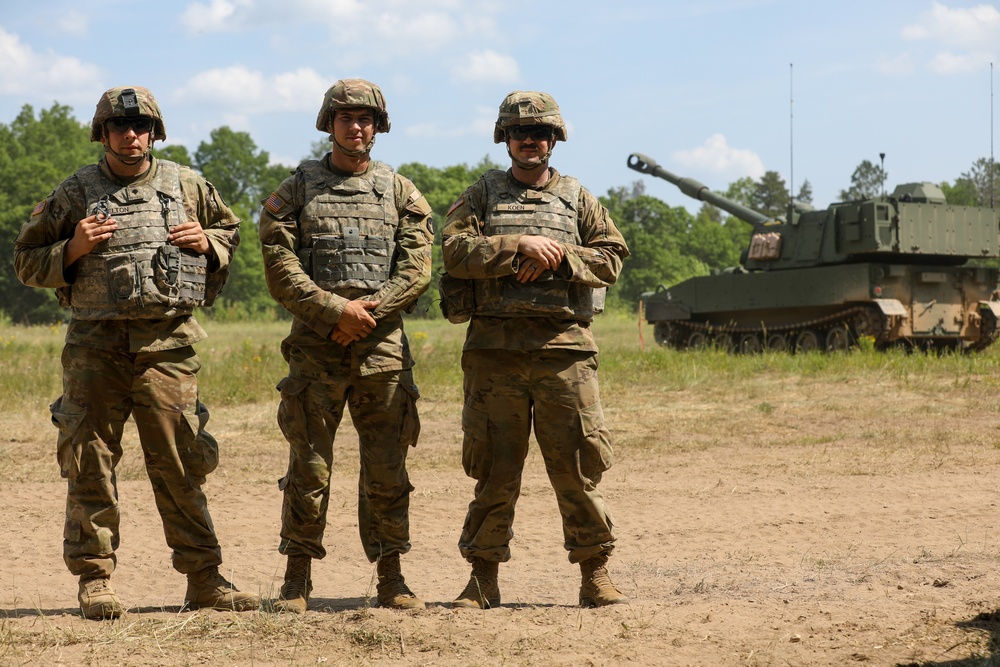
(808, 523)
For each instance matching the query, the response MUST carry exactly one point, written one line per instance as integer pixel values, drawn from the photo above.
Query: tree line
(667, 244)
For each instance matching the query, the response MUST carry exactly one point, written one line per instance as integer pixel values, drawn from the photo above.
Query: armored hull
(830, 308)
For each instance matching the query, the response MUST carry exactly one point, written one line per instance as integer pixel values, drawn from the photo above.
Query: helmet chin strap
(130, 160)
(353, 153)
(531, 166)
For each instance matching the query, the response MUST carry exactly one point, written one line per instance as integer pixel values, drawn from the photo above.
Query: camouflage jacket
(470, 254)
(315, 310)
(39, 256)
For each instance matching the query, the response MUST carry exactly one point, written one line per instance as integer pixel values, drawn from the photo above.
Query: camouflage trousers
(101, 388)
(383, 409)
(557, 390)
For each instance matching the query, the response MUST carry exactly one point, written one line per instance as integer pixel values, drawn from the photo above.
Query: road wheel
(807, 341)
(697, 340)
(838, 339)
(724, 341)
(749, 344)
(777, 342)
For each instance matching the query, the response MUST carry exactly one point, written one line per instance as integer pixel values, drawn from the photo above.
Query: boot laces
(97, 587)
(296, 579)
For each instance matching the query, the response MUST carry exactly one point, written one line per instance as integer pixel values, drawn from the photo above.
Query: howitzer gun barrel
(695, 189)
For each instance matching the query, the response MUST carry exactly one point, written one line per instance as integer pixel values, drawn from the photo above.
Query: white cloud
(217, 16)
(28, 73)
(242, 91)
(486, 67)
(966, 34)
(959, 63)
(395, 26)
(967, 27)
(718, 157)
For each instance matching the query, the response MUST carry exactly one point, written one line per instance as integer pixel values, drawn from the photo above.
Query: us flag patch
(39, 208)
(274, 203)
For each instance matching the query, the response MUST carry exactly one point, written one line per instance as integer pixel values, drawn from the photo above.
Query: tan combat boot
(483, 590)
(597, 589)
(207, 589)
(393, 593)
(295, 592)
(98, 600)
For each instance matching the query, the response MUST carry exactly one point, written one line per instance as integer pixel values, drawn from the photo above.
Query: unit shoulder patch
(39, 208)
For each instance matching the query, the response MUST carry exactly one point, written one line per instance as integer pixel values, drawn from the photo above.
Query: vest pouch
(123, 278)
(599, 296)
(167, 268)
(193, 279)
(458, 298)
(348, 263)
(547, 295)
(180, 275)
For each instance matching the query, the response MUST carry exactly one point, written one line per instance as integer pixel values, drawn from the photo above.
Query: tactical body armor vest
(137, 274)
(513, 209)
(348, 228)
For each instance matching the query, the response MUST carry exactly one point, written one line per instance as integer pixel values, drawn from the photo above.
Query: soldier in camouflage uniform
(347, 248)
(529, 254)
(132, 245)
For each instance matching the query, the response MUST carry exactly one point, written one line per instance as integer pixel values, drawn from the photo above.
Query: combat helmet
(523, 107)
(127, 101)
(353, 93)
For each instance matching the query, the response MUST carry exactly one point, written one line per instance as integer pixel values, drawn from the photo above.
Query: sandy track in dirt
(860, 528)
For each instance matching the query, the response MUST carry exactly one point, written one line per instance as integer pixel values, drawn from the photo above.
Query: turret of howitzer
(893, 268)
(913, 224)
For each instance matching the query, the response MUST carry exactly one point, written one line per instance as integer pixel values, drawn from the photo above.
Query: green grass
(242, 363)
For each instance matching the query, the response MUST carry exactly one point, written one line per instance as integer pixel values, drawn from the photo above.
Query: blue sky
(714, 89)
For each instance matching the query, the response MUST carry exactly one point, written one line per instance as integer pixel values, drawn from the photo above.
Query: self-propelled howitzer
(896, 268)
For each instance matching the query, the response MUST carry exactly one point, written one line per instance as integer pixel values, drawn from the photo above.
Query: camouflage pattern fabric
(557, 391)
(513, 209)
(347, 230)
(39, 248)
(536, 370)
(128, 276)
(115, 368)
(383, 410)
(101, 388)
(528, 107)
(470, 254)
(370, 376)
(118, 101)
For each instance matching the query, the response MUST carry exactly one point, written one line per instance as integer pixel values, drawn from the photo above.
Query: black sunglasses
(536, 132)
(139, 124)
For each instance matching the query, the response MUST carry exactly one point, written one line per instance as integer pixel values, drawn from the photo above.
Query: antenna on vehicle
(993, 176)
(881, 175)
(791, 138)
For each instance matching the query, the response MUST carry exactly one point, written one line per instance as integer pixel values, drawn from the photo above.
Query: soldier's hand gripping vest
(137, 274)
(348, 229)
(512, 209)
